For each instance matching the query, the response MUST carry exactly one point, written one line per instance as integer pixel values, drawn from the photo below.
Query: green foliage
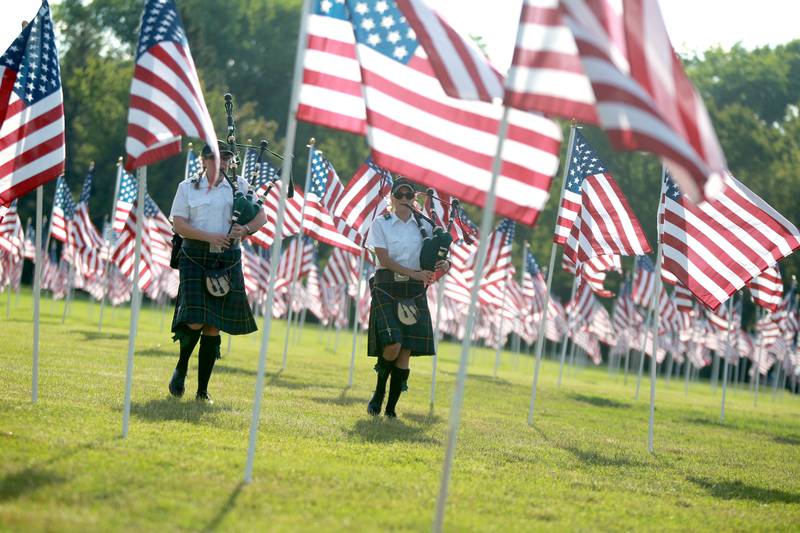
(323, 464)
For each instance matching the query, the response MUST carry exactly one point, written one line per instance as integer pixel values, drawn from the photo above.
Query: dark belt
(202, 246)
(387, 276)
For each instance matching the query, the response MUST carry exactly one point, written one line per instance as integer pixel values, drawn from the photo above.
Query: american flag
(341, 269)
(330, 94)
(580, 309)
(364, 197)
(605, 223)
(265, 174)
(123, 253)
(28, 245)
(767, 289)
(84, 239)
(462, 68)
(159, 232)
(288, 271)
(458, 280)
(452, 142)
(644, 282)
(640, 94)
(291, 221)
(166, 98)
(324, 192)
(498, 264)
(594, 271)
(534, 286)
(10, 231)
(441, 209)
(715, 247)
(786, 315)
(546, 73)
(193, 164)
(314, 292)
(123, 206)
(583, 161)
(63, 211)
(31, 110)
(684, 300)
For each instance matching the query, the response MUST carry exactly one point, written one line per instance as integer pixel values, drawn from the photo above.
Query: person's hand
(238, 232)
(220, 240)
(424, 276)
(442, 265)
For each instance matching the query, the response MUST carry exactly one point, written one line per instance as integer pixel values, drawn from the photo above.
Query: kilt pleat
(385, 327)
(230, 313)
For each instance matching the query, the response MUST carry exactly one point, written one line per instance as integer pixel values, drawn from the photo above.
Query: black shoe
(375, 404)
(176, 387)
(204, 397)
(390, 414)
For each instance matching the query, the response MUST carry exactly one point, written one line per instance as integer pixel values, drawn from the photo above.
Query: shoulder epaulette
(387, 216)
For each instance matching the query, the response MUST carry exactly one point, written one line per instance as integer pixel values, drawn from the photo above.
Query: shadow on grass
(226, 508)
(30, 479)
(791, 441)
(480, 377)
(599, 401)
(736, 490)
(234, 370)
(428, 419)
(156, 352)
(279, 381)
(713, 422)
(89, 335)
(380, 429)
(342, 399)
(595, 458)
(174, 409)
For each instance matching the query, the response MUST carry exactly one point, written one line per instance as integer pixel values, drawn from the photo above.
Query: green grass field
(324, 464)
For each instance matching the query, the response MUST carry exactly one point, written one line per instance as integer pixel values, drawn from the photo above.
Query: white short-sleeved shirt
(207, 210)
(402, 240)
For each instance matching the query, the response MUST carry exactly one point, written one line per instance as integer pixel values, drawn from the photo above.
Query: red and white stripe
(767, 289)
(645, 101)
(123, 254)
(291, 221)
(684, 300)
(546, 73)
(606, 224)
(715, 247)
(86, 242)
(341, 269)
(461, 67)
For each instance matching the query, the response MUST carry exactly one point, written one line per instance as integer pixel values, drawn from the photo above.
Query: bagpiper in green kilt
(385, 327)
(230, 313)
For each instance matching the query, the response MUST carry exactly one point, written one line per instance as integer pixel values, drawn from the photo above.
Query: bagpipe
(435, 247)
(247, 206)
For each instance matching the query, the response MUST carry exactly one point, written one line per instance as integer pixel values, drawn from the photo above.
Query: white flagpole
(648, 322)
(70, 275)
(355, 319)
(37, 291)
(656, 320)
(727, 354)
(565, 338)
(759, 351)
(458, 396)
(500, 345)
(436, 333)
(298, 260)
(109, 244)
(136, 298)
(550, 268)
(291, 129)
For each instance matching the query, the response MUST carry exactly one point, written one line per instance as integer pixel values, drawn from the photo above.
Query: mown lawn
(324, 464)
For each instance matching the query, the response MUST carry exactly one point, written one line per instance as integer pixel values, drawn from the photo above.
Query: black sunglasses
(400, 195)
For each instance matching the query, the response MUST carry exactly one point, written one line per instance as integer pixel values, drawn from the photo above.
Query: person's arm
(389, 263)
(187, 231)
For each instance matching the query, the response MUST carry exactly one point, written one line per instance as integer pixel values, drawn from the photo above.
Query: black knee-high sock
(188, 340)
(396, 386)
(207, 356)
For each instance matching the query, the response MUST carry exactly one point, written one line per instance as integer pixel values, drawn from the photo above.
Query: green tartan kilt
(194, 305)
(384, 326)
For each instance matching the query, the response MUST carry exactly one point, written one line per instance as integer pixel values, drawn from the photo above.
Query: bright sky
(693, 25)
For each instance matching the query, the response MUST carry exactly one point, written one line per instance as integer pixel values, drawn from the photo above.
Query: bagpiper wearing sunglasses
(399, 320)
(211, 296)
